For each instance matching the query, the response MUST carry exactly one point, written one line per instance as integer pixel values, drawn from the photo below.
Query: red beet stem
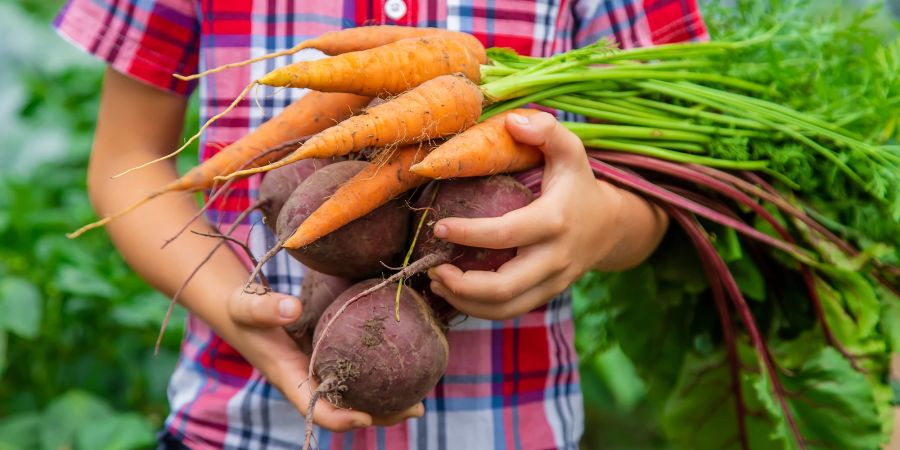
(718, 293)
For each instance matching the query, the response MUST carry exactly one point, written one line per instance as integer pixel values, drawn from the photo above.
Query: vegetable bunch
(773, 299)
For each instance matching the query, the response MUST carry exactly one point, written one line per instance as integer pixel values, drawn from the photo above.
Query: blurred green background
(77, 328)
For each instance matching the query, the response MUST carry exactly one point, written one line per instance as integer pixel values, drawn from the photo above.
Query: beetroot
(368, 361)
(466, 197)
(356, 250)
(470, 198)
(277, 186)
(317, 292)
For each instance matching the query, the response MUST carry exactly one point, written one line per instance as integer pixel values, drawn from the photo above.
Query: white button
(395, 9)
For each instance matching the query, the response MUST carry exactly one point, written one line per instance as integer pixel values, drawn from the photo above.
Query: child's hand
(577, 224)
(257, 334)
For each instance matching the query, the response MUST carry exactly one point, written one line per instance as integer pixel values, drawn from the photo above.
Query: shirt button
(395, 9)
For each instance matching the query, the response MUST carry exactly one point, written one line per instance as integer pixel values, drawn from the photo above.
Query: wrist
(633, 230)
(208, 295)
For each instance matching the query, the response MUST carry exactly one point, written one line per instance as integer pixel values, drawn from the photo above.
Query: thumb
(560, 146)
(264, 310)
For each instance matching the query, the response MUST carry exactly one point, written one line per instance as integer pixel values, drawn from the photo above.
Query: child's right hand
(255, 331)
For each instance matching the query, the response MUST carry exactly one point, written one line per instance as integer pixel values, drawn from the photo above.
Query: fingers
(527, 301)
(267, 310)
(417, 410)
(325, 414)
(531, 267)
(560, 146)
(524, 226)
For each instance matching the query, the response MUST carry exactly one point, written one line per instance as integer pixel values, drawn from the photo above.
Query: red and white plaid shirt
(510, 384)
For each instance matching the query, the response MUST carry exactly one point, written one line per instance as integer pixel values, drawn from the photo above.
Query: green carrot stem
(745, 111)
(541, 94)
(642, 121)
(609, 106)
(610, 94)
(495, 70)
(688, 147)
(665, 65)
(512, 86)
(778, 112)
(782, 178)
(650, 150)
(698, 114)
(871, 153)
(594, 130)
(625, 103)
(670, 51)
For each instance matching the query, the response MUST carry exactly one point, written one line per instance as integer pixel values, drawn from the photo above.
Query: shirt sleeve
(638, 23)
(148, 40)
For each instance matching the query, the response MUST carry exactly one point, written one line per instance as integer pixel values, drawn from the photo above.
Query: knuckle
(560, 263)
(559, 285)
(457, 230)
(503, 237)
(555, 221)
(503, 292)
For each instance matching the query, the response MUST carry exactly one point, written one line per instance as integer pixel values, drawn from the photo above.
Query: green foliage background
(77, 327)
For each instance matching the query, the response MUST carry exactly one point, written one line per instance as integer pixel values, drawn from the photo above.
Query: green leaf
(75, 281)
(727, 244)
(833, 405)
(20, 431)
(3, 346)
(860, 298)
(700, 414)
(21, 307)
(619, 376)
(890, 318)
(117, 432)
(840, 322)
(143, 310)
(651, 325)
(68, 414)
(748, 278)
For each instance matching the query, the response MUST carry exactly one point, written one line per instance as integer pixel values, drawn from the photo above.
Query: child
(512, 380)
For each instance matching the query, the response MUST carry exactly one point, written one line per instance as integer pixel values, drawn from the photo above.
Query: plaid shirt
(510, 384)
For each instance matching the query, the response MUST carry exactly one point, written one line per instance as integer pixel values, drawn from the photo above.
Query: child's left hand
(577, 224)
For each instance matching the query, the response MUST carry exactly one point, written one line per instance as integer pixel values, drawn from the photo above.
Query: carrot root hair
(193, 138)
(116, 215)
(245, 62)
(257, 268)
(162, 328)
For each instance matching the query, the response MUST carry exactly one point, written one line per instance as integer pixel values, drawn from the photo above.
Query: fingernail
(519, 119)
(433, 275)
(360, 424)
(441, 230)
(287, 308)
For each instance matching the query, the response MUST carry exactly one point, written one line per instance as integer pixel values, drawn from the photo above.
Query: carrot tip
(423, 170)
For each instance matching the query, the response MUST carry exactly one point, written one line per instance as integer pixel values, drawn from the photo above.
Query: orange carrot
(387, 70)
(336, 43)
(484, 149)
(372, 187)
(314, 112)
(390, 69)
(439, 107)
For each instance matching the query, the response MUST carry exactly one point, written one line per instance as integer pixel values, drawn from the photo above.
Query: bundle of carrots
(715, 150)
